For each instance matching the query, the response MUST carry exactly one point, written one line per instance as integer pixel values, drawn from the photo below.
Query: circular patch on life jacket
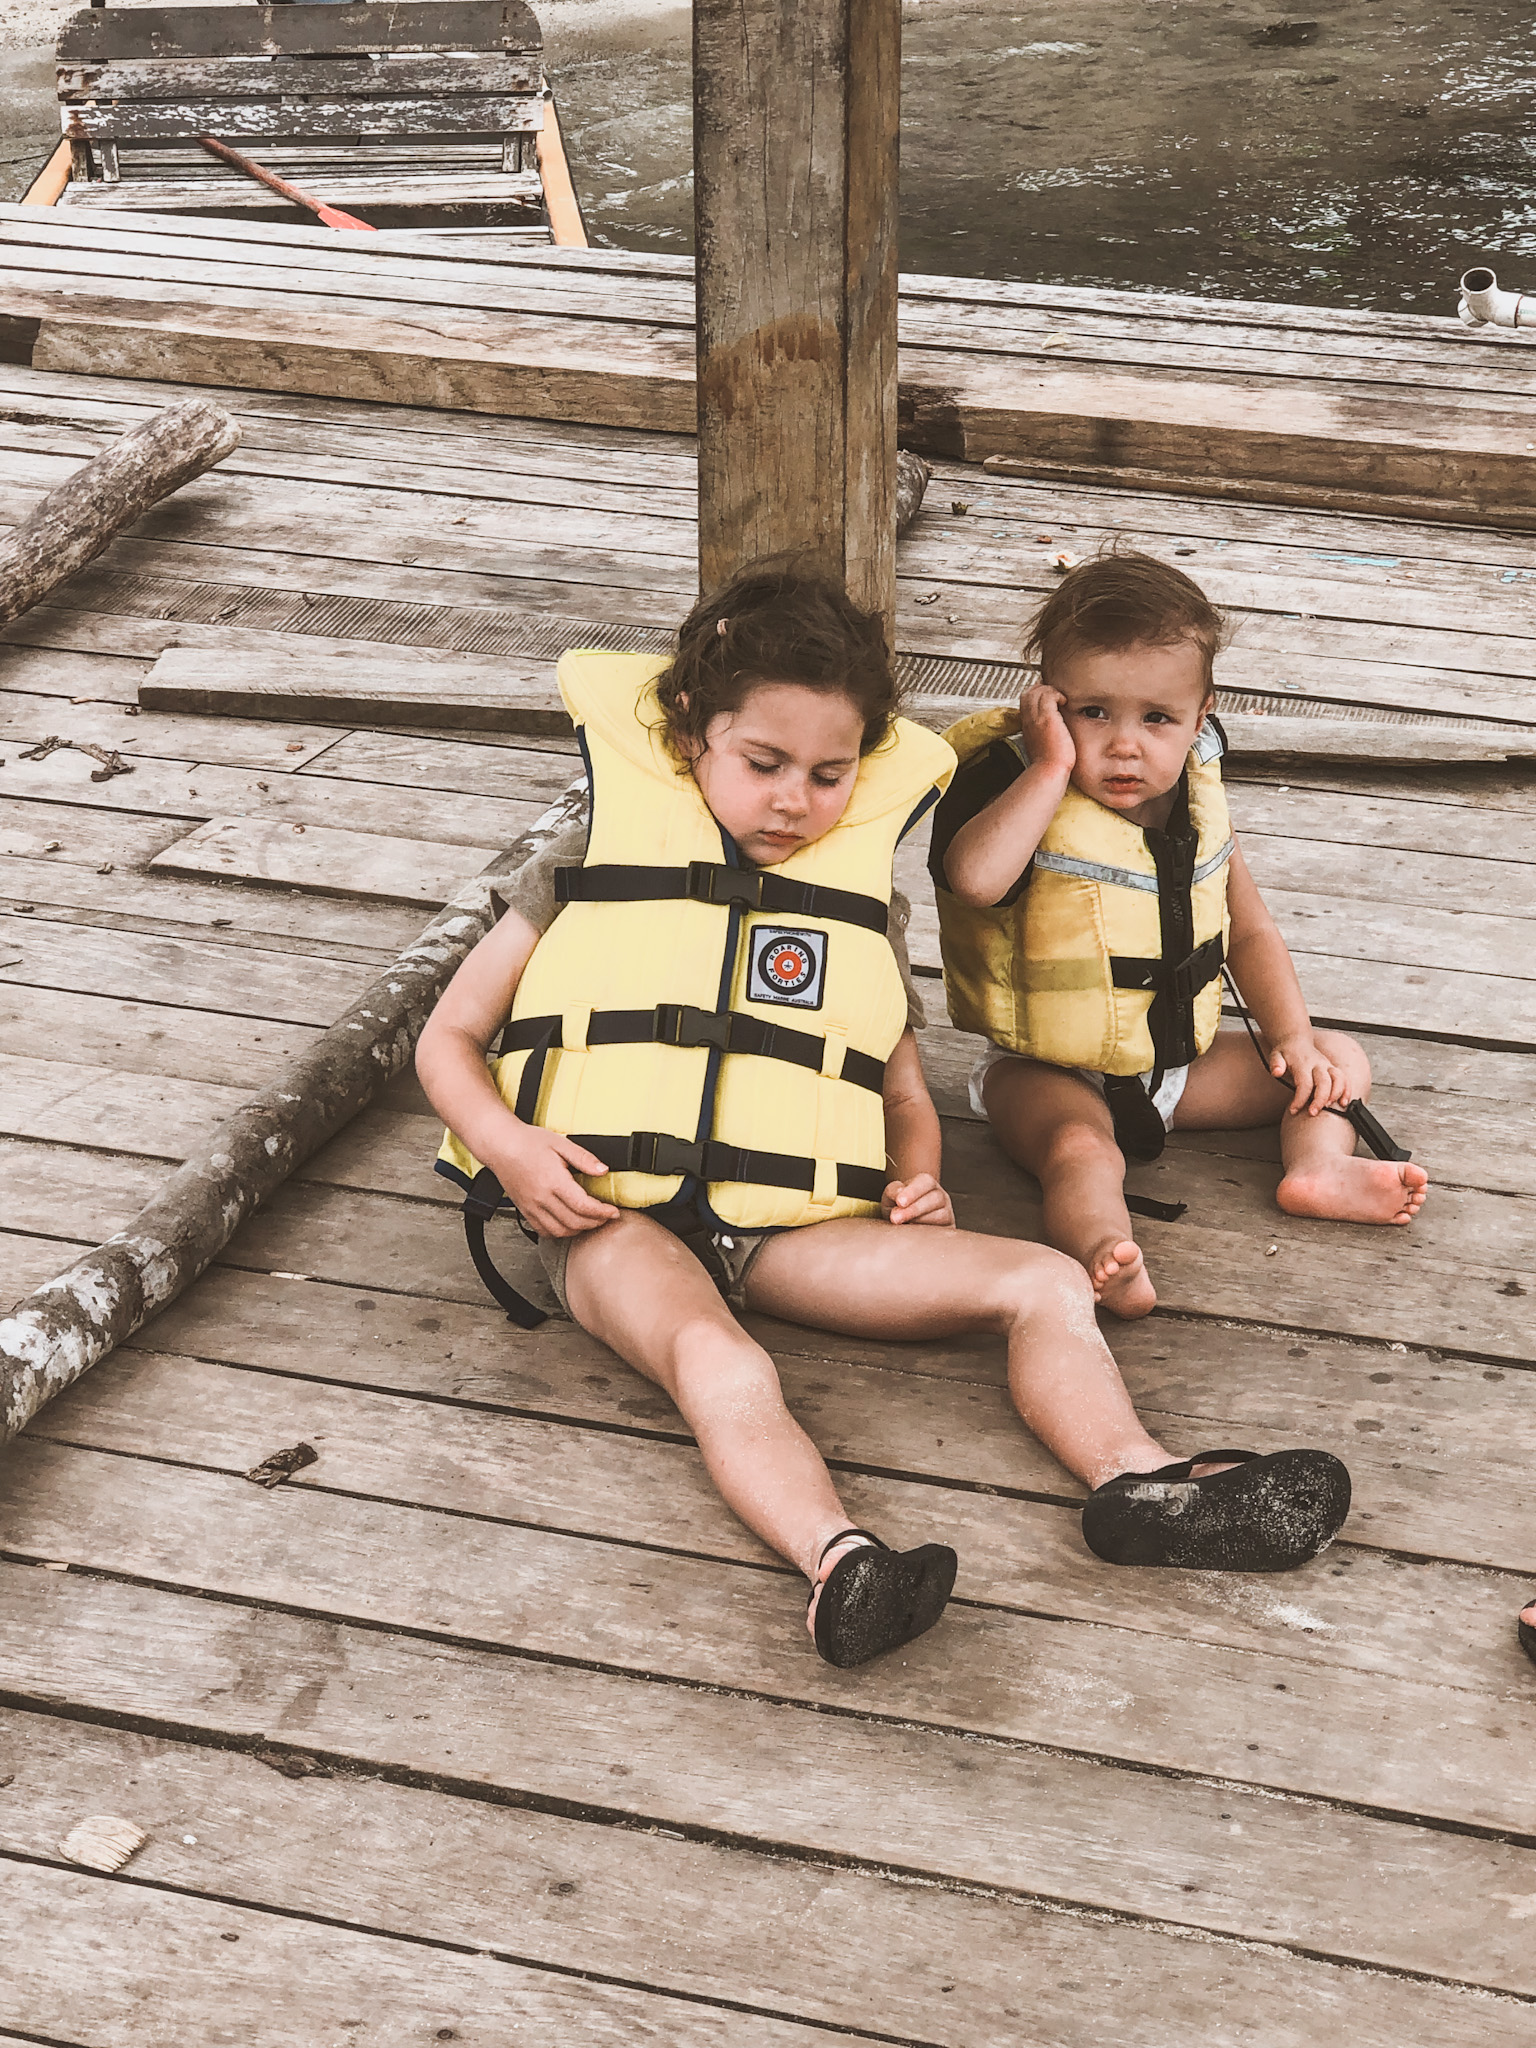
(787, 967)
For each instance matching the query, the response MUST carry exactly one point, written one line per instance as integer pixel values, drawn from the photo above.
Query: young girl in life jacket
(1089, 892)
(714, 1101)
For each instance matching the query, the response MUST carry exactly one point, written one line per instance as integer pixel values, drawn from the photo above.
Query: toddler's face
(1133, 715)
(778, 772)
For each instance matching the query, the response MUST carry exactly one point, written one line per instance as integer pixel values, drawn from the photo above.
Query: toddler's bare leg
(647, 1297)
(872, 1279)
(1059, 1128)
(1229, 1088)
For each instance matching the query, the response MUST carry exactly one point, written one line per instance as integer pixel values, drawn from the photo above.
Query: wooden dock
(491, 1725)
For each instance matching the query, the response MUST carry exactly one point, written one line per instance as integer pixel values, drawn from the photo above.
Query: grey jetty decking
(492, 1725)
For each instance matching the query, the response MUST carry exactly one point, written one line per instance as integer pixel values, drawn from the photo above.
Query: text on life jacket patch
(787, 967)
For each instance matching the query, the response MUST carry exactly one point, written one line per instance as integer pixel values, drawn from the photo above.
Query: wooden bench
(415, 112)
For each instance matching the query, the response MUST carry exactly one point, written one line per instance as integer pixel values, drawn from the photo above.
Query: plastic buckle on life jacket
(661, 1153)
(684, 1025)
(708, 882)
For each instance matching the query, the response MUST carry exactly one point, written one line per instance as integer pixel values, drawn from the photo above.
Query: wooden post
(796, 106)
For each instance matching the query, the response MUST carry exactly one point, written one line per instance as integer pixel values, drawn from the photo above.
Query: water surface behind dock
(1353, 152)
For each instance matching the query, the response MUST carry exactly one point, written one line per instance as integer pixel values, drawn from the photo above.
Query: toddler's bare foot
(1120, 1280)
(1356, 1191)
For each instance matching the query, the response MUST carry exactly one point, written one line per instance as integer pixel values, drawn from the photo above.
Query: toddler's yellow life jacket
(716, 1033)
(1111, 957)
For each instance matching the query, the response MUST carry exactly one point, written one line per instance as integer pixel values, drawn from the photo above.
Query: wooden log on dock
(75, 522)
(61, 1329)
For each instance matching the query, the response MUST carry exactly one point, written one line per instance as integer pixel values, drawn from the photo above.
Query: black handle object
(480, 1205)
(1380, 1140)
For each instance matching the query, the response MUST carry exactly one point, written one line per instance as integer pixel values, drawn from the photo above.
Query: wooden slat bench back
(457, 83)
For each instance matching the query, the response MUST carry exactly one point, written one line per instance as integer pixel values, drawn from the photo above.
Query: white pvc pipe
(1484, 305)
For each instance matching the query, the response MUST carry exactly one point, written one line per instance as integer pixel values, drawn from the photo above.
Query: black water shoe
(1264, 1514)
(875, 1598)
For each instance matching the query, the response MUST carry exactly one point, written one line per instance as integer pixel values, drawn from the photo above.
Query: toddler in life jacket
(1090, 891)
(709, 1098)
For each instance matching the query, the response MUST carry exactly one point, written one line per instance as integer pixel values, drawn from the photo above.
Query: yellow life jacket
(716, 1033)
(1111, 957)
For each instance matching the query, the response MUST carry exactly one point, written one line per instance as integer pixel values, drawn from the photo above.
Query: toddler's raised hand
(919, 1200)
(1044, 731)
(538, 1170)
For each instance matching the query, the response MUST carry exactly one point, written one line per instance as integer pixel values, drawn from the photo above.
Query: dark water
(1355, 152)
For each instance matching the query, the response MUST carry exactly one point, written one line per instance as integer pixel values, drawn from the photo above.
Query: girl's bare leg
(647, 1297)
(868, 1278)
(1230, 1088)
(1059, 1128)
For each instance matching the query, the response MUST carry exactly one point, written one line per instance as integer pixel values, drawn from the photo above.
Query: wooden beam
(795, 208)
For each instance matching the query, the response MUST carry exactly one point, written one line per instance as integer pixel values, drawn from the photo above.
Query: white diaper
(1165, 1101)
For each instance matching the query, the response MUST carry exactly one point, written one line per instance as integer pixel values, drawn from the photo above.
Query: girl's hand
(1044, 731)
(1319, 1083)
(919, 1200)
(538, 1171)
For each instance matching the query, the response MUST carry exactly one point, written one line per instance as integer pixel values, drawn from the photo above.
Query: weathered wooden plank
(762, 1929)
(414, 25)
(56, 673)
(197, 791)
(1348, 822)
(248, 743)
(546, 368)
(322, 860)
(79, 835)
(450, 193)
(49, 1098)
(451, 764)
(235, 78)
(150, 1037)
(298, 122)
(473, 696)
(192, 973)
(1006, 1675)
(230, 505)
(227, 914)
(160, 1962)
(1015, 1554)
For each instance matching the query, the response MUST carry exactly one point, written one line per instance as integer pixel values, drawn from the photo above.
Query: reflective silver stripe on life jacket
(1096, 871)
(1209, 867)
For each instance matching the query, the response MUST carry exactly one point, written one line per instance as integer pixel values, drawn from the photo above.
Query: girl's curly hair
(787, 620)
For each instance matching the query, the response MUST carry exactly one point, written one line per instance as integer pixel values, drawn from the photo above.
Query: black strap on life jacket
(683, 1025)
(707, 881)
(1177, 983)
(708, 1160)
(484, 1197)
